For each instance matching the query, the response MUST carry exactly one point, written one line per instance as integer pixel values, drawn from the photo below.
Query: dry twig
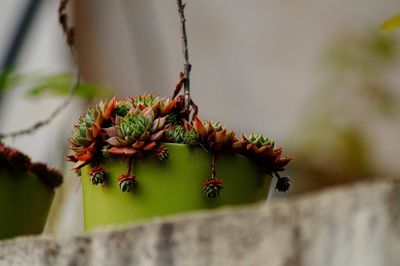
(185, 51)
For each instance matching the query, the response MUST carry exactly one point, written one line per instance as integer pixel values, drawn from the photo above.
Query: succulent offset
(162, 153)
(126, 182)
(87, 132)
(175, 134)
(137, 127)
(213, 136)
(212, 187)
(97, 175)
(262, 150)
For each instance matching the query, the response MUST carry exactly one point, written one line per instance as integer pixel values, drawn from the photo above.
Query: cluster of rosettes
(137, 127)
(14, 161)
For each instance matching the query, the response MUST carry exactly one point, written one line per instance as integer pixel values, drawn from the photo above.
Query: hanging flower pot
(26, 193)
(141, 158)
(180, 184)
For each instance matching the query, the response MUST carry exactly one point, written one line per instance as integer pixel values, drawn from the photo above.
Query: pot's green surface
(170, 187)
(24, 204)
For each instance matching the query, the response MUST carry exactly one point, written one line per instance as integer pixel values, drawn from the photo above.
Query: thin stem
(277, 175)
(213, 171)
(185, 50)
(129, 165)
(64, 21)
(49, 119)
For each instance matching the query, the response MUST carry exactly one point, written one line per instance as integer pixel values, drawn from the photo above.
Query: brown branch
(49, 119)
(63, 19)
(185, 50)
(69, 33)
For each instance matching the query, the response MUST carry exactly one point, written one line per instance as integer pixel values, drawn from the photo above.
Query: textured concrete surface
(357, 225)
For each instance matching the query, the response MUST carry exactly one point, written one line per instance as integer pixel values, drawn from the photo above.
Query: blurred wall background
(318, 76)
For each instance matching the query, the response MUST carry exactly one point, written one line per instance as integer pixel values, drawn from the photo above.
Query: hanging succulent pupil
(283, 184)
(162, 153)
(126, 182)
(97, 179)
(126, 186)
(212, 191)
(212, 187)
(97, 175)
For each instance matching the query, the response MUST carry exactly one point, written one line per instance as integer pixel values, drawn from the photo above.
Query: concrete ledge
(357, 225)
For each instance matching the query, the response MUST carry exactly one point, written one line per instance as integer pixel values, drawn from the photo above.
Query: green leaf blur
(60, 84)
(391, 24)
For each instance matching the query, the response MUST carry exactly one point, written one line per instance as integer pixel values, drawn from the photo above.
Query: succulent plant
(172, 118)
(191, 138)
(17, 162)
(97, 175)
(132, 127)
(122, 108)
(261, 149)
(49, 176)
(13, 159)
(255, 145)
(165, 107)
(175, 134)
(213, 136)
(135, 128)
(127, 182)
(283, 184)
(212, 187)
(135, 134)
(177, 112)
(87, 132)
(144, 101)
(162, 153)
(259, 140)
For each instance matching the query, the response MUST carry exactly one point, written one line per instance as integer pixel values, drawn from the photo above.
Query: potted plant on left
(26, 193)
(27, 189)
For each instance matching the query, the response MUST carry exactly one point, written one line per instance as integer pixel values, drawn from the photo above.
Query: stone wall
(356, 225)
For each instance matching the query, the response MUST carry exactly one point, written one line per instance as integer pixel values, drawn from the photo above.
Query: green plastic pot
(24, 204)
(171, 187)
